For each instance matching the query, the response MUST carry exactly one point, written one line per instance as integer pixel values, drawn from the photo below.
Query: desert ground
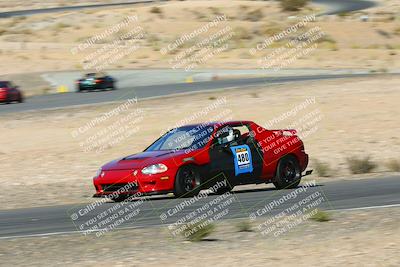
(43, 42)
(49, 157)
(341, 241)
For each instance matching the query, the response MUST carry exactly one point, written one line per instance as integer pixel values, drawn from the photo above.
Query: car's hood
(140, 160)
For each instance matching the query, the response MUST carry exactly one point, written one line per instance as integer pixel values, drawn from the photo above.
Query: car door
(221, 161)
(238, 160)
(248, 160)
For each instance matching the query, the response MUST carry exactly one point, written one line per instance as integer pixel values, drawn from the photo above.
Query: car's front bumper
(128, 182)
(3, 97)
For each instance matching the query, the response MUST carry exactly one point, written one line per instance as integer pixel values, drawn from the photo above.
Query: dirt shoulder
(359, 238)
(50, 157)
(46, 42)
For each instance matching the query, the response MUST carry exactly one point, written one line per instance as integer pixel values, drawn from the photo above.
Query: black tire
(20, 99)
(288, 173)
(187, 181)
(111, 86)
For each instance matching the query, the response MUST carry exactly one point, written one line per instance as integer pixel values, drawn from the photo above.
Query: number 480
(243, 157)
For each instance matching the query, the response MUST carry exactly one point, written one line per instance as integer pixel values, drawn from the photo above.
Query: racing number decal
(242, 159)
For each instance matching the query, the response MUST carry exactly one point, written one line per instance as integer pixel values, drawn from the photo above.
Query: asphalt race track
(338, 195)
(342, 6)
(28, 12)
(143, 92)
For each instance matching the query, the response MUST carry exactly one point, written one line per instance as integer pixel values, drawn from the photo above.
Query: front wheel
(187, 181)
(288, 173)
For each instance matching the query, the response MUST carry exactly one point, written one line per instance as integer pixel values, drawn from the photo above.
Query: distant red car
(194, 157)
(10, 93)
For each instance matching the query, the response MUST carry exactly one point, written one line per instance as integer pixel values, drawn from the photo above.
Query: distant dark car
(10, 93)
(95, 81)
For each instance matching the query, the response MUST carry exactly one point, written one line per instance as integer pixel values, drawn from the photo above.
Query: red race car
(10, 93)
(190, 158)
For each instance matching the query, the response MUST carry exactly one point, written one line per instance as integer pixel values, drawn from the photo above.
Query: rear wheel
(111, 86)
(288, 173)
(187, 181)
(20, 99)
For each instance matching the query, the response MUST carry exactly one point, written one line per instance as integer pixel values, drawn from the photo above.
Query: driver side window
(231, 135)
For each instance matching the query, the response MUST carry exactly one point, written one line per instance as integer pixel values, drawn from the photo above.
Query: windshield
(187, 137)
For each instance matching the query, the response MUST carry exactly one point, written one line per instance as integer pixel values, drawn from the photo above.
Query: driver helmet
(229, 137)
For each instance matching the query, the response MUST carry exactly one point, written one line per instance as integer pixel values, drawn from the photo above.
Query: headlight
(153, 169)
(98, 173)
